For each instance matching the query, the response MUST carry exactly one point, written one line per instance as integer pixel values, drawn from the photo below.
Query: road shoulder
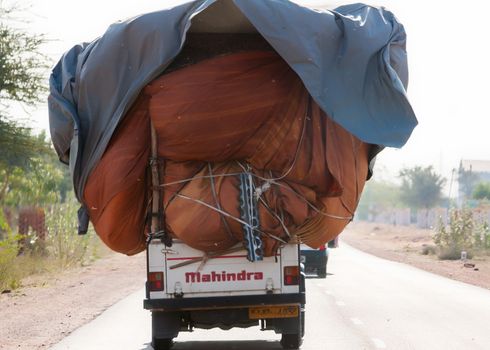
(405, 243)
(49, 307)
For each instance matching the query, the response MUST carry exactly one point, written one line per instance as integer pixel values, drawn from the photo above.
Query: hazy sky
(448, 60)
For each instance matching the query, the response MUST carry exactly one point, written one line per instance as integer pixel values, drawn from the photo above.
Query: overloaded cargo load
(258, 125)
(245, 112)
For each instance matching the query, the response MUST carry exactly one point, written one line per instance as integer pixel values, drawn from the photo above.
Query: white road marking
(379, 343)
(356, 321)
(340, 303)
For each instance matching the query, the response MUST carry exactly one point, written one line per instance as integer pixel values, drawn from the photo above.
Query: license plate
(276, 311)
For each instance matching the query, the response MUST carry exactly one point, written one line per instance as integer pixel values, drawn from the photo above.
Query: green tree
(22, 80)
(18, 147)
(467, 180)
(482, 191)
(22, 65)
(421, 187)
(377, 196)
(44, 181)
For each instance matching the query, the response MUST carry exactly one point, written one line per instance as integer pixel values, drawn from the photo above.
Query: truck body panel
(223, 275)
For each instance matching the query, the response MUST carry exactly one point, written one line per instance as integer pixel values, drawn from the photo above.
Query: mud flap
(165, 325)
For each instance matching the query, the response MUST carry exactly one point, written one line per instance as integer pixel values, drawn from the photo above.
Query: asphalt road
(364, 303)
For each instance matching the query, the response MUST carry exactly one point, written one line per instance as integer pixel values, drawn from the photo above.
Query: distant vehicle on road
(315, 260)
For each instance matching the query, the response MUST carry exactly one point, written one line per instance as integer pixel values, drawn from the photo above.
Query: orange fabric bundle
(227, 108)
(214, 119)
(115, 193)
(190, 217)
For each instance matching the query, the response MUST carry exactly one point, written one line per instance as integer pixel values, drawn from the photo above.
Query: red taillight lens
(155, 281)
(291, 275)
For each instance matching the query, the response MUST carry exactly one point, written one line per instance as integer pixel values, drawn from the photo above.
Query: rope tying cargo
(216, 200)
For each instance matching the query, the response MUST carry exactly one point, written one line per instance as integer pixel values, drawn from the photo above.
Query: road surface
(364, 303)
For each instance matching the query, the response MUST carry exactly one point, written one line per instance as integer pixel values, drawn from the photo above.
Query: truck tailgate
(228, 274)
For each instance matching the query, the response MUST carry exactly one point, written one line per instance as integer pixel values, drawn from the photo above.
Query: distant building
(470, 173)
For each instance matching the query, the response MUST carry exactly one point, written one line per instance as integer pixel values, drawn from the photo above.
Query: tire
(294, 341)
(322, 272)
(162, 344)
(291, 341)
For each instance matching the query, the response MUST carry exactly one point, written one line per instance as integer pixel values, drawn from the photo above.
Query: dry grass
(62, 249)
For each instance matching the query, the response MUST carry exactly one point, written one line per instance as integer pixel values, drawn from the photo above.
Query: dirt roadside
(49, 307)
(404, 244)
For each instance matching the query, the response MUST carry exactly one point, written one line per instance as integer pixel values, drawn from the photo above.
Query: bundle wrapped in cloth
(238, 113)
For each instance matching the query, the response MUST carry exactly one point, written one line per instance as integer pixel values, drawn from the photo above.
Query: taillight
(291, 275)
(155, 281)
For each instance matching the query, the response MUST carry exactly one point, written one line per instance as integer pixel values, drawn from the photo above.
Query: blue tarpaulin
(352, 60)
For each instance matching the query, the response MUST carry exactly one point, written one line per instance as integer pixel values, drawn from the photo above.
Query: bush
(428, 250)
(8, 268)
(457, 236)
(8, 252)
(64, 244)
(62, 249)
(452, 253)
(482, 236)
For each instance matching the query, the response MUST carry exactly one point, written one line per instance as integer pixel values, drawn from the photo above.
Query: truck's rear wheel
(291, 341)
(294, 340)
(162, 344)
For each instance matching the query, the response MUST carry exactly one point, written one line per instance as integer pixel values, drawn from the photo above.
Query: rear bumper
(222, 302)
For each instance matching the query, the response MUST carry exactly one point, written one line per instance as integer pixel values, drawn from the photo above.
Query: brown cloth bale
(225, 108)
(116, 191)
(347, 158)
(248, 106)
(195, 223)
(214, 119)
(209, 220)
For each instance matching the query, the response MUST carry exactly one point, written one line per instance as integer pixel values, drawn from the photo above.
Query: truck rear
(187, 289)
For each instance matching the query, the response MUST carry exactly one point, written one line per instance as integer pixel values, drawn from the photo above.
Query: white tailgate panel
(228, 273)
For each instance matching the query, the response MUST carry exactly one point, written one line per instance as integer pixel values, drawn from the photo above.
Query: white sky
(449, 59)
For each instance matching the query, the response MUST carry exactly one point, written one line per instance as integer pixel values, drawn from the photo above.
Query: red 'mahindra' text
(223, 276)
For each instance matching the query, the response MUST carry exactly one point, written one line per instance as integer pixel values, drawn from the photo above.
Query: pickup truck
(187, 289)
